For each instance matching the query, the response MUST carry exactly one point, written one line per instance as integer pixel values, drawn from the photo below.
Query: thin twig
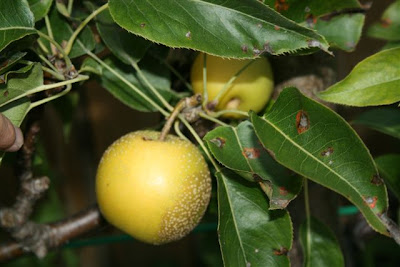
(75, 34)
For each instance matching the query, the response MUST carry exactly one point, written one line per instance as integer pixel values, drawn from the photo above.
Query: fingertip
(19, 140)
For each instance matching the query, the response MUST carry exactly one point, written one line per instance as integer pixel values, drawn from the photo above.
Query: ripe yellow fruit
(250, 91)
(156, 191)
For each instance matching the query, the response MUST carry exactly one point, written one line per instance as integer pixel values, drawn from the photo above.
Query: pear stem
(175, 112)
(187, 102)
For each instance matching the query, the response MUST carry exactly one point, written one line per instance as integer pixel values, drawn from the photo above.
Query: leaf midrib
(17, 28)
(233, 217)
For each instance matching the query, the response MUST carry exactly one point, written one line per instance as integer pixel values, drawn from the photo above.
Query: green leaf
(347, 37)
(390, 45)
(389, 26)
(62, 31)
(16, 21)
(62, 9)
(238, 148)
(21, 85)
(315, 142)
(300, 10)
(40, 8)
(9, 60)
(389, 168)
(374, 81)
(249, 233)
(320, 247)
(128, 47)
(4, 78)
(125, 94)
(236, 28)
(16, 113)
(385, 120)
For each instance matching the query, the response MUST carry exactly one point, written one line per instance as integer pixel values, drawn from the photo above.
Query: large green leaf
(235, 28)
(320, 246)
(300, 10)
(249, 233)
(315, 142)
(238, 148)
(16, 21)
(40, 8)
(347, 37)
(374, 81)
(389, 168)
(156, 75)
(62, 31)
(385, 120)
(20, 85)
(389, 26)
(128, 47)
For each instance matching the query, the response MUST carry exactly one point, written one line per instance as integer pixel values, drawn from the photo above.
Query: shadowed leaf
(249, 233)
(238, 148)
(319, 244)
(385, 120)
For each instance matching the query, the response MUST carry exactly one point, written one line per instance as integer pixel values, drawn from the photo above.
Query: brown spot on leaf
(386, 22)
(281, 251)
(5, 63)
(257, 178)
(302, 121)
(256, 51)
(371, 201)
(327, 152)
(281, 5)
(283, 191)
(5, 94)
(244, 48)
(218, 141)
(376, 180)
(281, 203)
(268, 48)
(313, 43)
(142, 25)
(251, 152)
(277, 28)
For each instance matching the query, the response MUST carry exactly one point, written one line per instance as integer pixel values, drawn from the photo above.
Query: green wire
(102, 240)
(347, 210)
(202, 228)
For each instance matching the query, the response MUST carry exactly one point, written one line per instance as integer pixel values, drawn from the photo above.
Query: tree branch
(50, 236)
